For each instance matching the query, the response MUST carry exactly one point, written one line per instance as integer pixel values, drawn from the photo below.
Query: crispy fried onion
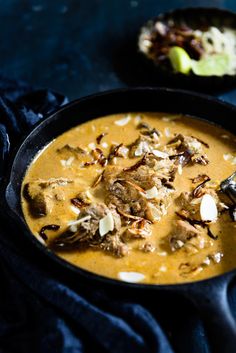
(69, 240)
(198, 191)
(140, 228)
(200, 178)
(98, 180)
(79, 202)
(127, 215)
(116, 151)
(135, 166)
(100, 137)
(98, 158)
(53, 227)
(135, 186)
(147, 130)
(202, 142)
(69, 148)
(187, 269)
(182, 158)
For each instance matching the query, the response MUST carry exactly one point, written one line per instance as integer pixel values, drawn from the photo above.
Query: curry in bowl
(136, 197)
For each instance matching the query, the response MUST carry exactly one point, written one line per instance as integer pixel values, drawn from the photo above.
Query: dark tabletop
(78, 47)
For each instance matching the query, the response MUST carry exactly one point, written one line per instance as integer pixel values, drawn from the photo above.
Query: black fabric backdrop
(39, 311)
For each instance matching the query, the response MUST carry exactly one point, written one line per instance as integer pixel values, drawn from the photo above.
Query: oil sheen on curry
(136, 197)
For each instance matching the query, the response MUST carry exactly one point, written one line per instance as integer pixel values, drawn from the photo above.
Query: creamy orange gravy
(162, 265)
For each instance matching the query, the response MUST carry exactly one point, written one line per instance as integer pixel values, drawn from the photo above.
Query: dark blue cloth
(39, 311)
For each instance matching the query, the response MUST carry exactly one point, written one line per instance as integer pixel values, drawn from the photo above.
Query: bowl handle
(11, 200)
(211, 299)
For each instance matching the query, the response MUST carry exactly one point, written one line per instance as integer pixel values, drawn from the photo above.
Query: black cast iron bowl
(194, 17)
(210, 296)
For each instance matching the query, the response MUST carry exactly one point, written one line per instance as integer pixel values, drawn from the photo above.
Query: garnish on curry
(136, 197)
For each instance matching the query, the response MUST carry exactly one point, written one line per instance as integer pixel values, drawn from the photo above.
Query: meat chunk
(147, 247)
(85, 232)
(71, 150)
(53, 182)
(126, 198)
(113, 244)
(140, 229)
(89, 229)
(82, 199)
(42, 194)
(140, 146)
(190, 201)
(183, 232)
(126, 190)
(40, 202)
(189, 205)
(144, 176)
(183, 143)
(156, 210)
(193, 145)
(117, 151)
(122, 194)
(112, 241)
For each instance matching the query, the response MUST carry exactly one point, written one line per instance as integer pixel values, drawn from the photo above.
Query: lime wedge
(180, 60)
(214, 65)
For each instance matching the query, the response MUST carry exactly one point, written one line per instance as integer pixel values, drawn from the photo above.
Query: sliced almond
(76, 210)
(142, 148)
(162, 268)
(151, 193)
(124, 150)
(167, 132)
(208, 208)
(73, 228)
(217, 257)
(230, 157)
(137, 119)
(67, 162)
(78, 221)
(160, 154)
(123, 121)
(162, 253)
(92, 146)
(106, 224)
(227, 156)
(132, 277)
(70, 160)
(154, 213)
(180, 169)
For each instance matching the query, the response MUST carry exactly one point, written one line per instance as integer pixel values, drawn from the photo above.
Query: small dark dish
(194, 18)
(208, 296)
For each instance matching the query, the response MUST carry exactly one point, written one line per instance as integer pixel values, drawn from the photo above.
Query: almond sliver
(208, 208)
(132, 277)
(106, 224)
(123, 121)
(160, 154)
(151, 193)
